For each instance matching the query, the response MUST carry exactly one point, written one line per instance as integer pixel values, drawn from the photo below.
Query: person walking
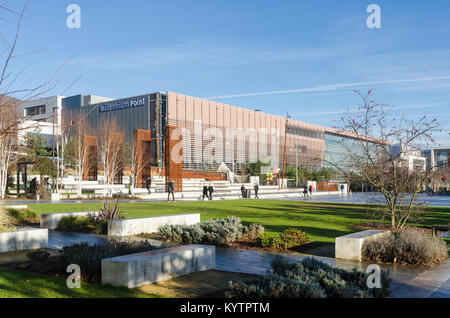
(210, 191)
(170, 190)
(243, 192)
(342, 189)
(310, 190)
(148, 184)
(205, 192)
(305, 192)
(256, 188)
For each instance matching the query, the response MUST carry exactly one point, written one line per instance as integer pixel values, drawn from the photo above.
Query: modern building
(438, 159)
(412, 157)
(43, 116)
(213, 132)
(200, 134)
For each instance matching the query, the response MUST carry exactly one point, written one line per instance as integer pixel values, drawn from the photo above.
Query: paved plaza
(407, 281)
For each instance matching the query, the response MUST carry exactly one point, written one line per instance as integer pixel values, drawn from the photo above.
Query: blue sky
(301, 57)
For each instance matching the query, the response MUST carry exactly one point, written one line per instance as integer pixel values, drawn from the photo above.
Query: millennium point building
(183, 133)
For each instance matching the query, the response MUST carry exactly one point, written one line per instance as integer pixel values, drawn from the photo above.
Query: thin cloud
(401, 107)
(331, 87)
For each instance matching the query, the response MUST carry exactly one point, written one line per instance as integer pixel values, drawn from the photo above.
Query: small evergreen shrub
(215, 232)
(253, 231)
(308, 279)
(20, 216)
(406, 247)
(74, 223)
(6, 221)
(90, 223)
(39, 256)
(289, 238)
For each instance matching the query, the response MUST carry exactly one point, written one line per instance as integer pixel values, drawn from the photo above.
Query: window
(34, 111)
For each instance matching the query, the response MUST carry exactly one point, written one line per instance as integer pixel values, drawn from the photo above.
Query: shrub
(109, 212)
(289, 238)
(308, 279)
(74, 223)
(216, 232)
(20, 216)
(253, 231)
(6, 221)
(406, 247)
(39, 256)
(6, 228)
(88, 257)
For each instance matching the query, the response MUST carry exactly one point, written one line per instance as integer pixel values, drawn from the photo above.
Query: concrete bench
(50, 220)
(128, 227)
(23, 239)
(350, 246)
(438, 227)
(135, 270)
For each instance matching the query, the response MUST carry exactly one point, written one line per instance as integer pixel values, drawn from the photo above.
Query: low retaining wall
(50, 220)
(17, 207)
(23, 239)
(135, 270)
(127, 227)
(350, 246)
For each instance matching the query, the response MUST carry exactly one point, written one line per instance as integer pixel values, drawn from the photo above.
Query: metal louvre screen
(214, 133)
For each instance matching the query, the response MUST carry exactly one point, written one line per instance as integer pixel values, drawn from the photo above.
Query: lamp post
(286, 128)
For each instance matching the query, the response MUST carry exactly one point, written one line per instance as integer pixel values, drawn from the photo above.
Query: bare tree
(8, 135)
(110, 148)
(75, 150)
(374, 159)
(140, 161)
(12, 122)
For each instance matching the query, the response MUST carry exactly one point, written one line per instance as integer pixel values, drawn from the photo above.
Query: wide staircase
(223, 190)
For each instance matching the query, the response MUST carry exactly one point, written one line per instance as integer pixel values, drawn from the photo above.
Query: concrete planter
(17, 207)
(128, 227)
(350, 246)
(50, 220)
(23, 239)
(135, 270)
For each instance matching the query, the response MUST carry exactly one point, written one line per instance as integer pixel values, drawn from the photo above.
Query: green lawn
(22, 284)
(322, 221)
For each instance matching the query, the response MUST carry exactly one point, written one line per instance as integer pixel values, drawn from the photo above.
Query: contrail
(334, 87)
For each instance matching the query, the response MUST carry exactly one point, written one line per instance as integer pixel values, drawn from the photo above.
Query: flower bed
(409, 247)
(308, 279)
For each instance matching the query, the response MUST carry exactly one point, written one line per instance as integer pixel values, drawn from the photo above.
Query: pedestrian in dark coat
(205, 192)
(243, 192)
(170, 190)
(210, 191)
(256, 187)
(148, 184)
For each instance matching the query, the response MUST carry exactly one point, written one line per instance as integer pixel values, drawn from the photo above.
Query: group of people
(306, 190)
(208, 192)
(244, 191)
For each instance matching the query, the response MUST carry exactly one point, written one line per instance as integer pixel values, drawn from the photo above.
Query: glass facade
(438, 158)
(339, 148)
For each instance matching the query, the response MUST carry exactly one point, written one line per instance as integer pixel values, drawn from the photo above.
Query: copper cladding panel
(142, 154)
(174, 170)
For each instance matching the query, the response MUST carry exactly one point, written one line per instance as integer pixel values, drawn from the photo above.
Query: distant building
(412, 157)
(43, 116)
(438, 159)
